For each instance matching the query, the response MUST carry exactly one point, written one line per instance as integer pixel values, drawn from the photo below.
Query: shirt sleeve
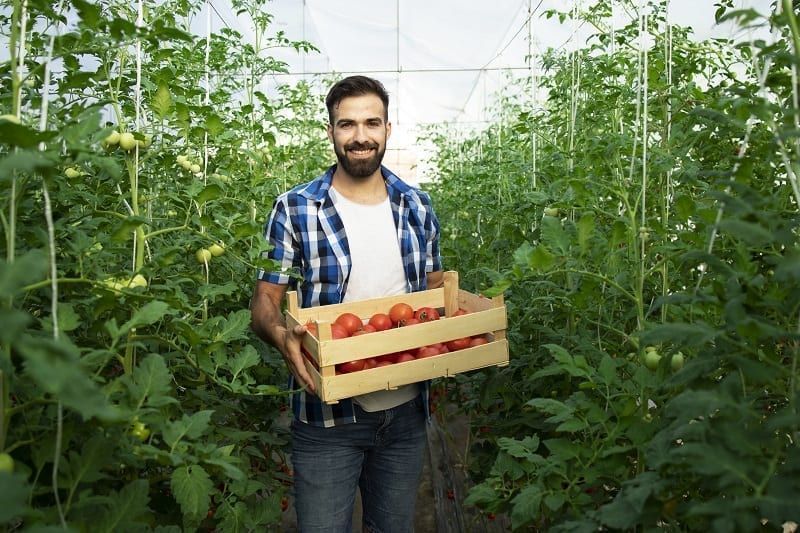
(433, 261)
(283, 245)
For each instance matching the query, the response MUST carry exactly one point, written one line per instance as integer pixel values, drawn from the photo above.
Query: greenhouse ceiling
(441, 61)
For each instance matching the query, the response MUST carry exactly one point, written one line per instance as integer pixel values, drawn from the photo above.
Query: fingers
(295, 360)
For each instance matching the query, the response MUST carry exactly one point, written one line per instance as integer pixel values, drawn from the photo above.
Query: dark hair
(356, 86)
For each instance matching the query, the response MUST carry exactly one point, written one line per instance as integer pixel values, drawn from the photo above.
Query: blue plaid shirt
(307, 236)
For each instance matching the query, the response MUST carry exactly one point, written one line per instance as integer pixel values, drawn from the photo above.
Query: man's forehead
(366, 107)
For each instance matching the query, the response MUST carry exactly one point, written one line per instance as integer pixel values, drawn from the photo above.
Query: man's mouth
(361, 151)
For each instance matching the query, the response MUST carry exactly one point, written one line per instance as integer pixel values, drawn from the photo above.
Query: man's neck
(371, 190)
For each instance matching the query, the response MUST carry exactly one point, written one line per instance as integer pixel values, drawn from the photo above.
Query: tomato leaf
(162, 100)
(150, 383)
(189, 426)
(15, 491)
(126, 507)
(192, 488)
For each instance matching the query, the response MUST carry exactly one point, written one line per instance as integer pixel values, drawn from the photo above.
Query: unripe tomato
(138, 281)
(203, 256)
(216, 249)
(6, 463)
(72, 172)
(551, 211)
(140, 431)
(651, 359)
(676, 363)
(181, 159)
(195, 168)
(127, 141)
(112, 139)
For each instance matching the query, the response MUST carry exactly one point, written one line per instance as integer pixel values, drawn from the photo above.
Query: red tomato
(370, 362)
(403, 357)
(461, 312)
(390, 357)
(369, 328)
(426, 351)
(477, 341)
(349, 322)
(350, 366)
(311, 327)
(400, 312)
(382, 363)
(459, 344)
(380, 321)
(410, 322)
(426, 314)
(338, 331)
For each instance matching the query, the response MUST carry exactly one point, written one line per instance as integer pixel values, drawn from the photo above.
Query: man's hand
(268, 323)
(295, 361)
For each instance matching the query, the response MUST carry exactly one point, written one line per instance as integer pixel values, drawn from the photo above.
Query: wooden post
(450, 292)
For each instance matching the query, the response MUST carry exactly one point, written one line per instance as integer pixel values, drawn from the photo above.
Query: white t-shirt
(376, 271)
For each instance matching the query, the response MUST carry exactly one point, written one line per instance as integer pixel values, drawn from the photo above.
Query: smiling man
(356, 232)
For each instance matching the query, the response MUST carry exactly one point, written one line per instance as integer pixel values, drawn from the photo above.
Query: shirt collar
(319, 189)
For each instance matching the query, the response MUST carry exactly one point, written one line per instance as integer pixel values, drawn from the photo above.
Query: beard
(359, 168)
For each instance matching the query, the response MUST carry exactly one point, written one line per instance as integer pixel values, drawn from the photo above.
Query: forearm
(267, 321)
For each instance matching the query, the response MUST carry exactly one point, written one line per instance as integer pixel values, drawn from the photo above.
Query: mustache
(361, 146)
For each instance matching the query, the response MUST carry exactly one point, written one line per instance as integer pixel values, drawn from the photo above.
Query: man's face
(359, 133)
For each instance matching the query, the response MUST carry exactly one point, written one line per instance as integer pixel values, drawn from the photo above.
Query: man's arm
(268, 323)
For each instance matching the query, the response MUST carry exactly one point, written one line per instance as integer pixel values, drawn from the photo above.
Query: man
(355, 232)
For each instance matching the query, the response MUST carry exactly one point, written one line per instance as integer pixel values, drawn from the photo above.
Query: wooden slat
(364, 309)
(473, 302)
(446, 365)
(450, 293)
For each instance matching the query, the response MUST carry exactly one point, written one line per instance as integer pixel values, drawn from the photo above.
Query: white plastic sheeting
(441, 60)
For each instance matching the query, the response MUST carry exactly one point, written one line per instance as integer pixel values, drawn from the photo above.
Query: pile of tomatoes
(400, 315)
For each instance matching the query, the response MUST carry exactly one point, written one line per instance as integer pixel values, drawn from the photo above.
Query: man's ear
(388, 130)
(330, 132)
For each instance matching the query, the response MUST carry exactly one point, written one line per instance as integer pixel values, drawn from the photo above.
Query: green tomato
(112, 139)
(138, 281)
(203, 256)
(676, 363)
(195, 168)
(140, 431)
(181, 159)
(551, 211)
(651, 359)
(127, 141)
(217, 249)
(6, 463)
(72, 172)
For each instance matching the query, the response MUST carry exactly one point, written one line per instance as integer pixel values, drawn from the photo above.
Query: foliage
(605, 250)
(132, 394)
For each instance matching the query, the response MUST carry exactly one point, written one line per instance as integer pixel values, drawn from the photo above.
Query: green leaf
(127, 509)
(152, 312)
(56, 369)
(151, 383)
(585, 230)
(523, 449)
(87, 466)
(192, 489)
(190, 427)
(25, 270)
(162, 100)
(14, 490)
(235, 327)
(22, 136)
(625, 511)
(210, 192)
(243, 360)
(554, 501)
(680, 334)
(554, 236)
(750, 233)
(525, 506)
(480, 494)
(25, 162)
(125, 229)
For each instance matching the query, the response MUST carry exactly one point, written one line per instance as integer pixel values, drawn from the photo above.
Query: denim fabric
(382, 454)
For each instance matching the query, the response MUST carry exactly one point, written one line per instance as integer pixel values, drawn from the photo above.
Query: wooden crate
(486, 316)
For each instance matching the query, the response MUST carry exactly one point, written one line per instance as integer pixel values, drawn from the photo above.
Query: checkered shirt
(306, 235)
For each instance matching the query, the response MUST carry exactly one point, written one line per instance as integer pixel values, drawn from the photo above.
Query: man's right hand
(295, 361)
(268, 323)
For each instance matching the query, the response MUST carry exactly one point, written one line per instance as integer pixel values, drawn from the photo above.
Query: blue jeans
(382, 453)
